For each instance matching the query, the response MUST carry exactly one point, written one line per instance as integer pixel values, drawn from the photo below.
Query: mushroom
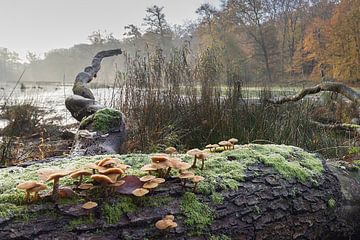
(158, 180)
(209, 146)
(106, 162)
(29, 187)
(170, 150)
(103, 180)
(80, 174)
(36, 190)
(166, 223)
(179, 165)
(225, 144)
(89, 205)
(139, 192)
(196, 180)
(148, 168)
(85, 186)
(147, 178)
(95, 167)
(194, 152)
(202, 156)
(185, 175)
(150, 185)
(115, 185)
(56, 176)
(233, 141)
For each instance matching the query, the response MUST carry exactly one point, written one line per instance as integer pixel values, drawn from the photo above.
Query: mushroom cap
(225, 143)
(117, 184)
(159, 158)
(194, 152)
(148, 167)
(113, 177)
(201, 156)
(139, 192)
(197, 179)
(44, 173)
(170, 217)
(102, 178)
(209, 146)
(147, 178)
(89, 205)
(80, 173)
(163, 224)
(95, 166)
(106, 161)
(150, 185)
(215, 145)
(85, 186)
(122, 166)
(27, 185)
(178, 164)
(173, 225)
(158, 180)
(233, 140)
(162, 165)
(57, 175)
(112, 171)
(170, 150)
(186, 175)
(38, 188)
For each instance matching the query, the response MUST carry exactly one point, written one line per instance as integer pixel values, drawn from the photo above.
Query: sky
(41, 25)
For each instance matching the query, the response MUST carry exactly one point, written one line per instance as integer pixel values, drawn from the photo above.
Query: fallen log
(252, 192)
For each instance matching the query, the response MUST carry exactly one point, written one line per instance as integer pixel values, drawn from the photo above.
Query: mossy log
(252, 192)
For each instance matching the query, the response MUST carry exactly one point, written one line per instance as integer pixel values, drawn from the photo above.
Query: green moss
(331, 203)
(9, 210)
(114, 211)
(197, 215)
(74, 223)
(217, 198)
(150, 201)
(356, 162)
(103, 120)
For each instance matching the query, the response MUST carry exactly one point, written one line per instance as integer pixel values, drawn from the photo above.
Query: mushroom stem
(55, 192)
(194, 163)
(36, 196)
(167, 172)
(27, 196)
(195, 185)
(202, 164)
(80, 180)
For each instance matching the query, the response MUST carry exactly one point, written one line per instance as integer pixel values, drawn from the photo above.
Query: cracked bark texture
(265, 206)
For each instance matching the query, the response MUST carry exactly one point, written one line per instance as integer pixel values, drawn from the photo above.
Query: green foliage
(114, 211)
(150, 201)
(9, 210)
(331, 203)
(354, 150)
(197, 215)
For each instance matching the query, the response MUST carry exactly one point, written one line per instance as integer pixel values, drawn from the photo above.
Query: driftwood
(325, 86)
(102, 130)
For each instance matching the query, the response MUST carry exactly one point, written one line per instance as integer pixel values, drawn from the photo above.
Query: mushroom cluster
(223, 145)
(31, 187)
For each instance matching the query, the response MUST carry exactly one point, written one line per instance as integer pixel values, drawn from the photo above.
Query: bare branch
(322, 87)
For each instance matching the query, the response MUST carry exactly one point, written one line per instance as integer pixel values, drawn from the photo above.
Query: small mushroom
(28, 186)
(185, 175)
(147, 178)
(225, 144)
(85, 186)
(108, 171)
(233, 141)
(140, 192)
(202, 156)
(89, 205)
(194, 152)
(170, 150)
(106, 162)
(209, 146)
(37, 189)
(103, 180)
(113, 186)
(56, 177)
(166, 223)
(158, 180)
(196, 180)
(150, 185)
(80, 174)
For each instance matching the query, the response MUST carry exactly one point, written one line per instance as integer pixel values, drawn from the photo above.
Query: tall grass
(178, 101)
